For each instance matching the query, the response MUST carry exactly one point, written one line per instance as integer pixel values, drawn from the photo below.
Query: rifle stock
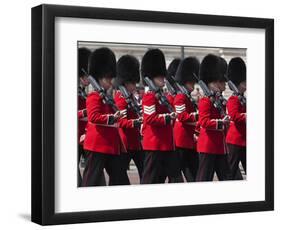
(233, 88)
(131, 102)
(180, 88)
(217, 103)
(107, 100)
(162, 98)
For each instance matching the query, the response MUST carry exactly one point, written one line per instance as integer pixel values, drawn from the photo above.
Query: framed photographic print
(145, 114)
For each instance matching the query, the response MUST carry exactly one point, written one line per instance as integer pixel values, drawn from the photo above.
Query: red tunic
(101, 136)
(157, 133)
(82, 120)
(170, 98)
(130, 135)
(184, 128)
(236, 134)
(211, 139)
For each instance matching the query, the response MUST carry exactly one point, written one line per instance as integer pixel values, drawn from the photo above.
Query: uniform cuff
(167, 119)
(136, 124)
(110, 120)
(219, 124)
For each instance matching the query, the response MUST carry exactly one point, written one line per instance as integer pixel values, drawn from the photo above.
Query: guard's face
(214, 86)
(242, 86)
(106, 82)
(190, 86)
(130, 86)
(84, 81)
(221, 85)
(159, 81)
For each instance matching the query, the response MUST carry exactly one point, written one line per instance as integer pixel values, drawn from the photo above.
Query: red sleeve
(94, 108)
(122, 106)
(205, 120)
(170, 98)
(183, 110)
(233, 109)
(80, 114)
(150, 116)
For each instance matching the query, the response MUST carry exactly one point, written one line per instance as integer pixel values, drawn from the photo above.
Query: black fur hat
(223, 67)
(102, 62)
(188, 67)
(83, 58)
(128, 68)
(153, 64)
(211, 69)
(237, 70)
(172, 69)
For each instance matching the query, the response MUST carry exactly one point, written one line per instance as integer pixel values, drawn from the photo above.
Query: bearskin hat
(224, 67)
(211, 69)
(153, 64)
(188, 67)
(83, 58)
(127, 70)
(102, 62)
(172, 68)
(237, 70)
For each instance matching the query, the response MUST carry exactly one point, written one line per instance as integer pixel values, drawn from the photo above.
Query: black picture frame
(43, 118)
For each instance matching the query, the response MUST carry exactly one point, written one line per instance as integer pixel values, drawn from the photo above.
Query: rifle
(106, 98)
(233, 88)
(180, 88)
(170, 88)
(217, 103)
(221, 98)
(130, 100)
(82, 93)
(159, 94)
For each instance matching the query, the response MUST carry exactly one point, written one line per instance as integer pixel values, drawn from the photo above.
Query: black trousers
(189, 163)
(125, 158)
(80, 153)
(94, 171)
(161, 164)
(211, 163)
(236, 154)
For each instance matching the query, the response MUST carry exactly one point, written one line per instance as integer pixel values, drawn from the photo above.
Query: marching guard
(160, 160)
(184, 129)
(213, 122)
(102, 141)
(83, 55)
(129, 125)
(236, 107)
